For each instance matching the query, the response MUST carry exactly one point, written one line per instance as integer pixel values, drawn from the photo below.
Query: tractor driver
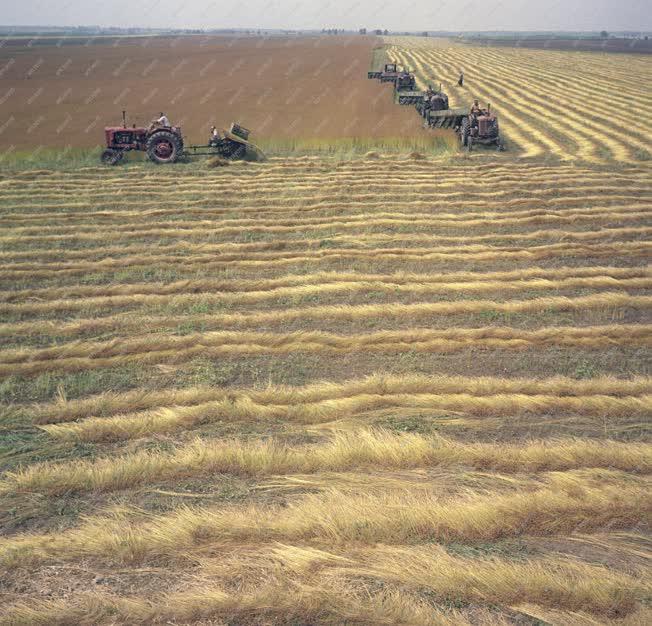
(475, 112)
(215, 136)
(160, 121)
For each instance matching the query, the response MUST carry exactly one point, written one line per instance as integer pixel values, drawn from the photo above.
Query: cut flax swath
(566, 502)
(318, 195)
(303, 602)
(362, 179)
(243, 286)
(174, 418)
(610, 301)
(507, 208)
(154, 349)
(359, 241)
(107, 404)
(314, 167)
(207, 234)
(308, 584)
(345, 451)
(558, 583)
(611, 212)
(105, 303)
(277, 169)
(627, 249)
(287, 248)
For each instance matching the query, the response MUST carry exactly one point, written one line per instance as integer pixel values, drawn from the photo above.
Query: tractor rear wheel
(164, 147)
(111, 157)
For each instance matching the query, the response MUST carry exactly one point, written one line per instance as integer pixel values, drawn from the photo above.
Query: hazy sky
(296, 14)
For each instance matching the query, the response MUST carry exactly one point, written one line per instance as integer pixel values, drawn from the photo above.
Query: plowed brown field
(281, 87)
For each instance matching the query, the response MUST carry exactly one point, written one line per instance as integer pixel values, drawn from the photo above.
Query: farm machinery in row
(474, 126)
(164, 143)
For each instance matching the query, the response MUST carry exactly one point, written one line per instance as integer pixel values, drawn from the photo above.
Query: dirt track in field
(279, 87)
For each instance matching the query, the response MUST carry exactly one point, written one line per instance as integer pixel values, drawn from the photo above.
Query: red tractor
(163, 144)
(480, 127)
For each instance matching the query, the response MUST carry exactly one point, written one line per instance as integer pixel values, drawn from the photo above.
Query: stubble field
(379, 390)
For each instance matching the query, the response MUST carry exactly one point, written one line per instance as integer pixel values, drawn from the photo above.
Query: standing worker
(215, 136)
(460, 82)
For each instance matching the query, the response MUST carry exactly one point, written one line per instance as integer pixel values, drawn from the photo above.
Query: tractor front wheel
(164, 147)
(464, 133)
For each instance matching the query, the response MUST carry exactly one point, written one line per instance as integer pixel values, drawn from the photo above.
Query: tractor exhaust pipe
(124, 119)
(488, 108)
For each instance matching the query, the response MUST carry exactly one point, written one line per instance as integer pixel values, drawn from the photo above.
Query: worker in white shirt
(215, 136)
(159, 122)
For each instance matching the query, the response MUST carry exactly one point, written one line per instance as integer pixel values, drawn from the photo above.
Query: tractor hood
(115, 129)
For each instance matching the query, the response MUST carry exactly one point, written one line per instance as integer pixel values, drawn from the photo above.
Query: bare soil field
(279, 87)
(387, 389)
